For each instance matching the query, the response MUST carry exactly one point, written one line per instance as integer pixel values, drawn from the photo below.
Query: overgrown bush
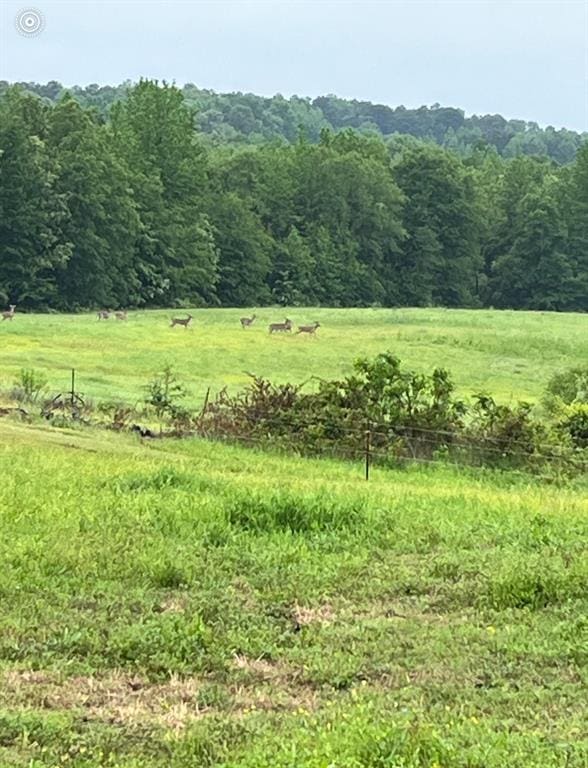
(503, 435)
(402, 415)
(565, 388)
(574, 424)
(407, 415)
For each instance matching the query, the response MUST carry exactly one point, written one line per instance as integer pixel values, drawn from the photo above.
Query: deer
(122, 315)
(103, 314)
(281, 327)
(9, 314)
(311, 329)
(246, 322)
(185, 321)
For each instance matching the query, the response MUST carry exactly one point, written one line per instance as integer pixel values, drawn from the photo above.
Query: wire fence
(350, 436)
(370, 457)
(390, 430)
(398, 445)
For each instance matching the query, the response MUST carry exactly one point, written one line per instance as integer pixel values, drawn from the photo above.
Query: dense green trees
(440, 261)
(530, 241)
(154, 131)
(32, 210)
(576, 214)
(244, 118)
(102, 226)
(139, 209)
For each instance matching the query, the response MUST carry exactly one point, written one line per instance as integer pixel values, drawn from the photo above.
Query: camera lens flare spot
(29, 22)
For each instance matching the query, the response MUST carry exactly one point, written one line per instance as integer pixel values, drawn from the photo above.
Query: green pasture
(508, 354)
(185, 604)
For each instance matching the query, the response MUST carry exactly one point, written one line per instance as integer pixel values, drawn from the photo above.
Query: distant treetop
(244, 118)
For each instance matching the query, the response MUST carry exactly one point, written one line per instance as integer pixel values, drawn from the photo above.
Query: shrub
(565, 388)
(574, 424)
(163, 395)
(408, 413)
(29, 386)
(503, 435)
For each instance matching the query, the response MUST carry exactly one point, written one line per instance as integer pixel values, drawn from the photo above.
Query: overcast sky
(521, 58)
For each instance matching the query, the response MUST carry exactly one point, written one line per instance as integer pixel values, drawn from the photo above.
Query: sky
(524, 59)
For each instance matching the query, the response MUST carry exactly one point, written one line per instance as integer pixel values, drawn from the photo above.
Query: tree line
(245, 118)
(137, 208)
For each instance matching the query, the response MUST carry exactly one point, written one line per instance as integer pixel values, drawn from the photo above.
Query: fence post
(73, 386)
(367, 449)
(204, 407)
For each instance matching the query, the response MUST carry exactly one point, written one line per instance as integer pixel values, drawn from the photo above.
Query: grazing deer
(121, 315)
(185, 321)
(311, 329)
(281, 327)
(9, 314)
(247, 321)
(103, 314)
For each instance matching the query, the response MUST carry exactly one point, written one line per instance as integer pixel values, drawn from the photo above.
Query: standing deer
(281, 327)
(122, 315)
(247, 321)
(311, 329)
(103, 314)
(9, 314)
(185, 321)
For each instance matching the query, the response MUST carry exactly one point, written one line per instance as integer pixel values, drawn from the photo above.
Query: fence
(396, 445)
(358, 441)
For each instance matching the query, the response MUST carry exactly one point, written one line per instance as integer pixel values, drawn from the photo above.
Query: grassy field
(184, 604)
(508, 354)
(187, 604)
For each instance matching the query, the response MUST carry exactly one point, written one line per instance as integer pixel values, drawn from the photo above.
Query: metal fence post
(367, 450)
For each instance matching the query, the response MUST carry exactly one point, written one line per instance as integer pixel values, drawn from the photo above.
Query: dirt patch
(116, 698)
(272, 685)
(348, 612)
(174, 604)
(262, 669)
(322, 614)
(302, 698)
(122, 699)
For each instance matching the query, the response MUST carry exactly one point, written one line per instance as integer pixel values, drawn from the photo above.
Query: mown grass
(508, 354)
(188, 604)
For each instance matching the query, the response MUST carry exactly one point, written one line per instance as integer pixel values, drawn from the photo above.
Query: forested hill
(246, 118)
(137, 207)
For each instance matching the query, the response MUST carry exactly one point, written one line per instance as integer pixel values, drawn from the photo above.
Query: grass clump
(294, 513)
